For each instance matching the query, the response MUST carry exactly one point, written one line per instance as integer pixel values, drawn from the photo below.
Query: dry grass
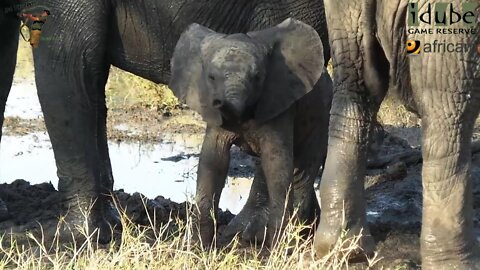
(24, 70)
(125, 89)
(392, 112)
(156, 247)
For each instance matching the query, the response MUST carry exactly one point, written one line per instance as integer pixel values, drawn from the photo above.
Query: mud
(394, 193)
(393, 205)
(24, 206)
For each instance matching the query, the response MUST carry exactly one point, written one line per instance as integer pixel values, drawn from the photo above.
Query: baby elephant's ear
(295, 65)
(186, 72)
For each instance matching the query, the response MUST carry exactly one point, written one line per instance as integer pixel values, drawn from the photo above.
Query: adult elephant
(368, 41)
(79, 42)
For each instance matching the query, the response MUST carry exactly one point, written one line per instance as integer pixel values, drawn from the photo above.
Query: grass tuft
(393, 113)
(125, 89)
(157, 246)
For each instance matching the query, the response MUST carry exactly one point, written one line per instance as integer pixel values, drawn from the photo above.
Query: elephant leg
(309, 156)
(106, 176)
(360, 84)
(276, 142)
(449, 96)
(252, 220)
(8, 59)
(211, 176)
(447, 238)
(270, 201)
(71, 71)
(253, 217)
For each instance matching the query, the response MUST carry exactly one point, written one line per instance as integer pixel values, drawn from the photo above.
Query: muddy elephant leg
(211, 176)
(250, 223)
(252, 220)
(360, 84)
(270, 201)
(106, 176)
(447, 239)
(276, 141)
(450, 103)
(71, 70)
(253, 214)
(309, 156)
(8, 58)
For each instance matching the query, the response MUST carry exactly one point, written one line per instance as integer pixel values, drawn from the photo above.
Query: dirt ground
(393, 193)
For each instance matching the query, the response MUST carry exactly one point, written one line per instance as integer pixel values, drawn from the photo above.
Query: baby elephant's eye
(211, 77)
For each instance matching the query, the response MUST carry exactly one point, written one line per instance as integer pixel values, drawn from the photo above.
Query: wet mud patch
(394, 213)
(394, 200)
(16, 126)
(142, 124)
(24, 206)
(133, 124)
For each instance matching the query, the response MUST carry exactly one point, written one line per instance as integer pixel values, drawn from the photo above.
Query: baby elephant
(268, 93)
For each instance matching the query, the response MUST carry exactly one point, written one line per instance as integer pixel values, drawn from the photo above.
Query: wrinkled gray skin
(368, 49)
(256, 90)
(79, 42)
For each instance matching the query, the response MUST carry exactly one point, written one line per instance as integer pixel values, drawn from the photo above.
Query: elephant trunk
(235, 101)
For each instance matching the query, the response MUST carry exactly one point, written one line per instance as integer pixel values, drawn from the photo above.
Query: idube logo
(442, 18)
(442, 14)
(413, 47)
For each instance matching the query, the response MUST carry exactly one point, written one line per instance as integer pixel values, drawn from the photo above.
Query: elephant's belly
(138, 43)
(146, 65)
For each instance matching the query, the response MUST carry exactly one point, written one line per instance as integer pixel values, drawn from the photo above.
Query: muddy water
(167, 168)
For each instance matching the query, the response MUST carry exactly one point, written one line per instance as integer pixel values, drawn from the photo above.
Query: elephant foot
(445, 258)
(250, 225)
(358, 239)
(203, 232)
(84, 220)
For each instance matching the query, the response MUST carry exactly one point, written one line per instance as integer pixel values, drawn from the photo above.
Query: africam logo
(414, 47)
